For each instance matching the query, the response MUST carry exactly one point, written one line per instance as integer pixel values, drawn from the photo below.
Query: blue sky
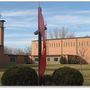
(21, 20)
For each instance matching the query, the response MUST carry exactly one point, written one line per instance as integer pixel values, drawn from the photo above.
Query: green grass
(84, 69)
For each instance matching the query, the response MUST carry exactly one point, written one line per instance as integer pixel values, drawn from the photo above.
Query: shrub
(76, 60)
(19, 75)
(46, 80)
(67, 76)
(73, 61)
(63, 60)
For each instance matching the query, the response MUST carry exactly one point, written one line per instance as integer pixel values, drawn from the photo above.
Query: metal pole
(39, 54)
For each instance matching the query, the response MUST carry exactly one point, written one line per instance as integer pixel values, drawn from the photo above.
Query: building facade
(77, 46)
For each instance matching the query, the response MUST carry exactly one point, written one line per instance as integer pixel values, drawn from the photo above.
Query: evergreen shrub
(67, 76)
(19, 75)
(63, 60)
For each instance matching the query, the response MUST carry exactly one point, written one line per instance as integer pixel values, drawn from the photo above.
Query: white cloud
(24, 23)
(19, 13)
(67, 19)
(68, 12)
(20, 24)
(20, 43)
(83, 33)
(21, 35)
(81, 12)
(22, 18)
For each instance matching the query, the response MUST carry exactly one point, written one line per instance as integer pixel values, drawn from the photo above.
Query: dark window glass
(87, 43)
(12, 59)
(48, 59)
(55, 59)
(36, 59)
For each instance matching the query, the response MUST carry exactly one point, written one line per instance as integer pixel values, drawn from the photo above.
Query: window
(48, 59)
(55, 59)
(82, 43)
(87, 43)
(52, 44)
(12, 59)
(36, 59)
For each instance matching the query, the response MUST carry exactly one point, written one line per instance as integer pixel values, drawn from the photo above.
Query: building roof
(66, 38)
(15, 55)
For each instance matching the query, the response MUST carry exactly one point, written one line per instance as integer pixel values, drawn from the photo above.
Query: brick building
(77, 46)
(6, 59)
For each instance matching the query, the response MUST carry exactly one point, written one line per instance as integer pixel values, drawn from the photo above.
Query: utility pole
(39, 53)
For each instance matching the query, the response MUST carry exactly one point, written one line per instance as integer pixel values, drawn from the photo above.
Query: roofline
(55, 55)
(15, 55)
(65, 38)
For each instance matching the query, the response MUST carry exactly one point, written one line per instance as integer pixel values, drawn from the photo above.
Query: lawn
(84, 69)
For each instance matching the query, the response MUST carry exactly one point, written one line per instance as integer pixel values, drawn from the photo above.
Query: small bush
(46, 80)
(63, 60)
(19, 75)
(76, 60)
(73, 61)
(67, 76)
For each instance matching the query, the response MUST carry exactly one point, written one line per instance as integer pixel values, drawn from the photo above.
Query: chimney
(2, 36)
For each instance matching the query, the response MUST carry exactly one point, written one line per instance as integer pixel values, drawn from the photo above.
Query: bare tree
(82, 52)
(60, 33)
(17, 51)
(27, 50)
(8, 50)
(51, 34)
(87, 36)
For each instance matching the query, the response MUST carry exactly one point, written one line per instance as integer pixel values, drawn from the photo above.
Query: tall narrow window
(52, 45)
(87, 43)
